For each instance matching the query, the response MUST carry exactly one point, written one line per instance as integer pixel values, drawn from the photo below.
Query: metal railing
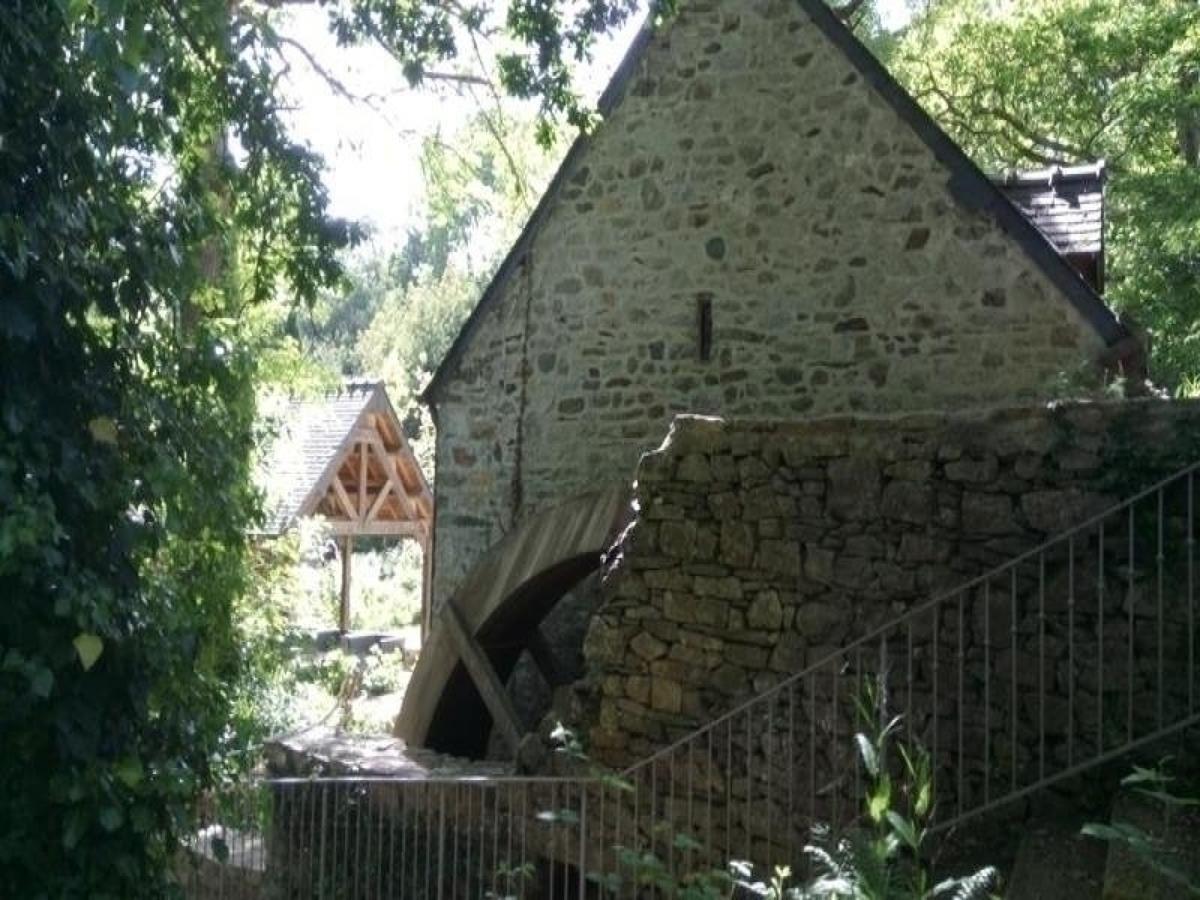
(1066, 656)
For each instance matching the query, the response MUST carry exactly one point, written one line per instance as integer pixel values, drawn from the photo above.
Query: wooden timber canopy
(344, 457)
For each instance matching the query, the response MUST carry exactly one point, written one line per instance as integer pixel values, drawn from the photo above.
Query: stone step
(1175, 832)
(1055, 862)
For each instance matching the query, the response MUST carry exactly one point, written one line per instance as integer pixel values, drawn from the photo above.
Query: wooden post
(344, 606)
(426, 585)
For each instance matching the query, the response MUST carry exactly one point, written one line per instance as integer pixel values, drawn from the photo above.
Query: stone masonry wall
(750, 167)
(760, 548)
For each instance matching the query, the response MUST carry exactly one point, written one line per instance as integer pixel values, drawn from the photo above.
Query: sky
(371, 145)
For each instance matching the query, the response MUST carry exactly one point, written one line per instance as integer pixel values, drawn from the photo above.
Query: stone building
(764, 226)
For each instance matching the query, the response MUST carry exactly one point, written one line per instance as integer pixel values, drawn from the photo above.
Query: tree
(1054, 82)
(150, 197)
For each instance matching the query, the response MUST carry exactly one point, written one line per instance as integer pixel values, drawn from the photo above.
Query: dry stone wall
(761, 548)
(747, 167)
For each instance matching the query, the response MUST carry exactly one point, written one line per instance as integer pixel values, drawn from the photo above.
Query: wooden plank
(343, 498)
(379, 501)
(389, 466)
(362, 480)
(487, 682)
(377, 528)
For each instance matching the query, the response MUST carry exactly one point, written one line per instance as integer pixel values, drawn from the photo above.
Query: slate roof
(1066, 204)
(968, 183)
(312, 433)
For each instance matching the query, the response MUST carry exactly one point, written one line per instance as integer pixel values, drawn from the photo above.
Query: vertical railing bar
(1191, 606)
(1070, 651)
(361, 847)
(708, 790)
(603, 833)
(749, 787)
(484, 791)
(812, 747)
(454, 856)
(934, 756)
(335, 872)
(1161, 630)
(962, 661)
(669, 813)
(524, 827)
(791, 771)
(466, 830)
(1100, 592)
(654, 807)
(987, 691)
(729, 788)
(509, 868)
(1129, 642)
(429, 846)
(835, 743)
(1041, 666)
(858, 698)
(553, 823)
(495, 837)
(402, 797)
(291, 863)
(583, 828)
(324, 831)
(770, 796)
(391, 809)
(1013, 696)
(908, 710)
(691, 793)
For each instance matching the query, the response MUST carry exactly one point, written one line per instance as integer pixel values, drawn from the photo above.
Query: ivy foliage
(149, 197)
(1035, 83)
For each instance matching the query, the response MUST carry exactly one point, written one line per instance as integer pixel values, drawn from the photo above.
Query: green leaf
(130, 772)
(89, 647)
(880, 799)
(104, 430)
(905, 829)
(867, 751)
(111, 818)
(41, 682)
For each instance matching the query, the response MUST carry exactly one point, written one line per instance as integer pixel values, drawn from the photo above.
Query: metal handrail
(1044, 693)
(917, 611)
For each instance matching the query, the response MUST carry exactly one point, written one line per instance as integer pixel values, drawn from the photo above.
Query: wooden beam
(389, 466)
(362, 480)
(344, 605)
(342, 497)
(487, 682)
(376, 528)
(378, 504)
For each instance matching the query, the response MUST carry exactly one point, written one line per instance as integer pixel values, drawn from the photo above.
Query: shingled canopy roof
(1067, 206)
(344, 457)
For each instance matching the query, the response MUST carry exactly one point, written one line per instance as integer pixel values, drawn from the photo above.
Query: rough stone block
(855, 484)
(987, 514)
(908, 501)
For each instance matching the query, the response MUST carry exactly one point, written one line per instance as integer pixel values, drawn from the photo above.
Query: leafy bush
(1157, 786)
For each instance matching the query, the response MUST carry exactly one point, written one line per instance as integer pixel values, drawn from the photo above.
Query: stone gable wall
(761, 548)
(750, 167)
